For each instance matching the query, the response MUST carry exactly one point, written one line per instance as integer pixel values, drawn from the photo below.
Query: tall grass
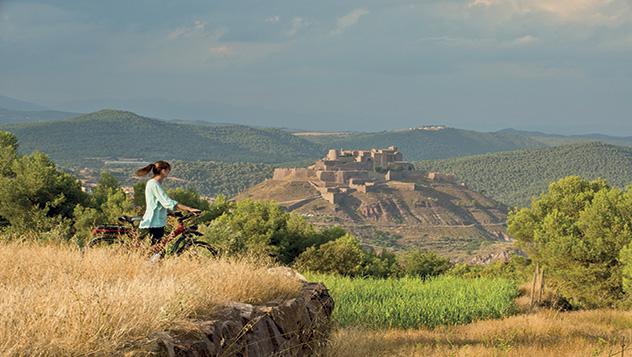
(56, 301)
(413, 303)
(603, 333)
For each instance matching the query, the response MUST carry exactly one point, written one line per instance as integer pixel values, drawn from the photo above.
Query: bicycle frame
(180, 230)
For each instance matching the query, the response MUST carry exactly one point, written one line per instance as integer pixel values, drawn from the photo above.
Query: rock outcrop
(294, 327)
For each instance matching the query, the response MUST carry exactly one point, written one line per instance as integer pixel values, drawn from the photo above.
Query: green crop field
(414, 303)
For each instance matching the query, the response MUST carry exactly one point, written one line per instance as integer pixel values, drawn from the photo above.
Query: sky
(562, 66)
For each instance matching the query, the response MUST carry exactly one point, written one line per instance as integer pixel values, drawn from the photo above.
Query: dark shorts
(155, 234)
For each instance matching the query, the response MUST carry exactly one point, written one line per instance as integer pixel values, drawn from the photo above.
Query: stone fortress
(345, 171)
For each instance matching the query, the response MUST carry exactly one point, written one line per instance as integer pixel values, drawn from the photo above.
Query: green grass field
(414, 303)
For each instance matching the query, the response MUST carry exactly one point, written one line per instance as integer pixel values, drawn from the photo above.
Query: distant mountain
(114, 133)
(556, 139)
(425, 144)
(514, 177)
(8, 116)
(16, 104)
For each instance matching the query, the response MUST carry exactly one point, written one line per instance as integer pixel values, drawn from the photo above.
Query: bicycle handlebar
(181, 216)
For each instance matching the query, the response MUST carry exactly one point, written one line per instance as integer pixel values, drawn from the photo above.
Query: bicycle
(187, 237)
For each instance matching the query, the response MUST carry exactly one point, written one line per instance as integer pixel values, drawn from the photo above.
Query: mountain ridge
(115, 133)
(514, 177)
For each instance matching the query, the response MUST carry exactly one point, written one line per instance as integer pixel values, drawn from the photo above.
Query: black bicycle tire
(108, 240)
(198, 244)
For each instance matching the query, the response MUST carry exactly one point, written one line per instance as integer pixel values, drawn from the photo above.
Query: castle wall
(346, 166)
(327, 176)
(343, 177)
(404, 175)
(331, 197)
(436, 176)
(406, 186)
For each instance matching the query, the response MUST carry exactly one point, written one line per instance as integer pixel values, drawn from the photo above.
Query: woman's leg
(156, 234)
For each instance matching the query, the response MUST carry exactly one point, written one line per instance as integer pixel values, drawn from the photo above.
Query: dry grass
(54, 301)
(546, 333)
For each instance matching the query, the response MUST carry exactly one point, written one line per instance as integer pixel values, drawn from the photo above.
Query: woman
(158, 202)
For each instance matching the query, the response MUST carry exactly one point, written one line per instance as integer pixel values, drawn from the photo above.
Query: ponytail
(155, 168)
(145, 170)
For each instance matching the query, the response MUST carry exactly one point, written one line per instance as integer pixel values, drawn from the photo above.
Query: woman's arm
(169, 203)
(182, 207)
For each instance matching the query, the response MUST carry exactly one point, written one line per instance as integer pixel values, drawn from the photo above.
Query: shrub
(423, 264)
(345, 256)
(264, 228)
(517, 269)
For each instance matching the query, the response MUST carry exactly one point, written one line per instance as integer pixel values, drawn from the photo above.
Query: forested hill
(26, 116)
(113, 133)
(514, 177)
(556, 139)
(420, 144)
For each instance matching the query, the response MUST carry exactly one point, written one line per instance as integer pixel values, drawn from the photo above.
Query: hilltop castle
(345, 171)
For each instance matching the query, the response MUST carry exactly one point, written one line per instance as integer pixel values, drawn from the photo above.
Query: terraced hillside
(443, 217)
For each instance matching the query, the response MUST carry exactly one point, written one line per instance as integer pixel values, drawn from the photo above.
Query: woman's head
(158, 168)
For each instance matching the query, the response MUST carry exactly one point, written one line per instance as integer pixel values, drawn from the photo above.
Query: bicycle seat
(129, 219)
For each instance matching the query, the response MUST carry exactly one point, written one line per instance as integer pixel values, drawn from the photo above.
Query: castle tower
(332, 154)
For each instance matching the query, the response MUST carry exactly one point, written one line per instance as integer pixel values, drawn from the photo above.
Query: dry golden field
(545, 333)
(56, 301)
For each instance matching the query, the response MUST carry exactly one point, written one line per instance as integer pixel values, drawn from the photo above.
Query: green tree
(106, 184)
(423, 264)
(577, 231)
(8, 152)
(35, 190)
(139, 194)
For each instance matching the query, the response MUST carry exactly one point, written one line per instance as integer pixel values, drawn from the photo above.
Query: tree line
(513, 178)
(578, 231)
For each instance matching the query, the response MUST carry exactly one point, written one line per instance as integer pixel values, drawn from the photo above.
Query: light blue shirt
(157, 203)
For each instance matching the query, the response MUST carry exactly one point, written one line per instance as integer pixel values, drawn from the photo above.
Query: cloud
(525, 40)
(196, 29)
(482, 3)
(273, 19)
(221, 51)
(296, 25)
(349, 20)
(589, 12)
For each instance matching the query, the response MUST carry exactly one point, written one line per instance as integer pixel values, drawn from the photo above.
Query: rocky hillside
(444, 217)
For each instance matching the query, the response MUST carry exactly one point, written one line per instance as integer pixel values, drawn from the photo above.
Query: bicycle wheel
(105, 241)
(197, 248)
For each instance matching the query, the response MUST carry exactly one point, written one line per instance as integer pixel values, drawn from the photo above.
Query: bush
(189, 197)
(264, 228)
(423, 264)
(517, 269)
(345, 256)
